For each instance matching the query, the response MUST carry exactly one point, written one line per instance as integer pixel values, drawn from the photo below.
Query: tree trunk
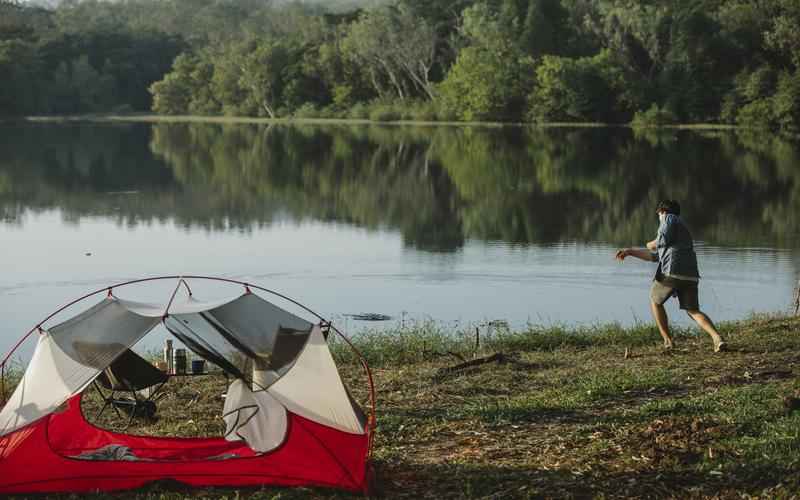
(378, 87)
(419, 75)
(268, 109)
(393, 78)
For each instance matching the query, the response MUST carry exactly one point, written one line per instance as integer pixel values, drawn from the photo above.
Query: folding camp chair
(130, 374)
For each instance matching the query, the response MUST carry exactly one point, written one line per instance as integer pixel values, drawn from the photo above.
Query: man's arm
(639, 253)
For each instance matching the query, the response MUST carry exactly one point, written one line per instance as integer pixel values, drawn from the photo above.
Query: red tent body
(39, 458)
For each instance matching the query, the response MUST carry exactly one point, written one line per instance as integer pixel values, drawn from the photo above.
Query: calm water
(459, 225)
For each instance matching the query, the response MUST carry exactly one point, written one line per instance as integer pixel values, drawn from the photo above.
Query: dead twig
(447, 353)
(498, 358)
(773, 374)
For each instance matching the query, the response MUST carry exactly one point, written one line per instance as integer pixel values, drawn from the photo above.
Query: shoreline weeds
(598, 412)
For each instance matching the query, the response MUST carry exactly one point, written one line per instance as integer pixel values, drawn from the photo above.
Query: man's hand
(639, 253)
(652, 245)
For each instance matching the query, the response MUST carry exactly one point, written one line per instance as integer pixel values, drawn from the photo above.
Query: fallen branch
(446, 353)
(498, 358)
(773, 374)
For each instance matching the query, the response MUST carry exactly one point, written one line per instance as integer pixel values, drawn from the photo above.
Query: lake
(459, 225)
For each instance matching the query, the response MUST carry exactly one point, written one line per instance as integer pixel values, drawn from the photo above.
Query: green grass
(599, 412)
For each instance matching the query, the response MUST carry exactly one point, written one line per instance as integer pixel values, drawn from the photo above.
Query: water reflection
(437, 186)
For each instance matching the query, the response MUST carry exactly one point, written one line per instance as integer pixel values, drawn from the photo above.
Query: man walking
(677, 272)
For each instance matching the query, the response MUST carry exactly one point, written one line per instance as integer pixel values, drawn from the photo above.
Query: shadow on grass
(489, 481)
(451, 373)
(457, 481)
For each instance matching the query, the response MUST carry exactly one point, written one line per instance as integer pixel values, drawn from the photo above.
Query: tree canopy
(724, 61)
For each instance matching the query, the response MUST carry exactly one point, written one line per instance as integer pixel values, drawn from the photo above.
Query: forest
(646, 62)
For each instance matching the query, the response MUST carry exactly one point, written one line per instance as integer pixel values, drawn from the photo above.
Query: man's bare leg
(660, 316)
(704, 322)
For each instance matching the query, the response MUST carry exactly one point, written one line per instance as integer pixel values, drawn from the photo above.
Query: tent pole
(172, 297)
(372, 422)
(105, 288)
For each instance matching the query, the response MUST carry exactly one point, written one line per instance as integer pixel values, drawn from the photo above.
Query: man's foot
(720, 346)
(668, 346)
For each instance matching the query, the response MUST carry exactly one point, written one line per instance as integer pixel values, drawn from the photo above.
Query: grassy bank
(599, 412)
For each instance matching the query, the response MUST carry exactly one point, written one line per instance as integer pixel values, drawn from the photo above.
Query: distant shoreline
(154, 118)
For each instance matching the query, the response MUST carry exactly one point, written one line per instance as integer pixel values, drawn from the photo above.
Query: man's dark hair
(669, 206)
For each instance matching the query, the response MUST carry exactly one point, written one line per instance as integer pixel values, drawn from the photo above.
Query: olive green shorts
(686, 291)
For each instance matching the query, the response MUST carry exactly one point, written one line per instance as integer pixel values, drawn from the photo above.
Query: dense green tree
(572, 89)
(397, 48)
(735, 61)
(21, 68)
(264, 77)
(764, 92)
(21, 22)
(491, 76)
(183, 90)
(344, 81)
(783, 35)
(77, 87)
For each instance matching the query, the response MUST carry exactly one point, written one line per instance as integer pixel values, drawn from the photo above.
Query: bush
(569, 89)
(445, 115)
(170, 95)
(655, 116)
(779, 110)
(331, 112)
(307, 110)
(342, 95)
(482, 86)
(359, 111)
(385, 113)
(757, 114)
(424, 112)
(786, 102)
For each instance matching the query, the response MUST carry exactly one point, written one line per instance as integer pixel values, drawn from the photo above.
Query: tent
(290, 420)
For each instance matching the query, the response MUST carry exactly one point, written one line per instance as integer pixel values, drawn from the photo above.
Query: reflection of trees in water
(436, 185)
(545, 185)
(380, 179)
(81, 169)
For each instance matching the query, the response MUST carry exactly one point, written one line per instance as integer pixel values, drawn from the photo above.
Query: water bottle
(168, 357)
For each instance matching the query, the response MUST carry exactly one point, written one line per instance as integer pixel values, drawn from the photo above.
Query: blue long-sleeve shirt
(676, 257)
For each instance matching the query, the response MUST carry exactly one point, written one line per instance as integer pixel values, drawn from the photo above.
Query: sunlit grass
(600, 411)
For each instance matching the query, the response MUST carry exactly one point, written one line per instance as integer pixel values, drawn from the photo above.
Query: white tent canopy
(290, 365)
